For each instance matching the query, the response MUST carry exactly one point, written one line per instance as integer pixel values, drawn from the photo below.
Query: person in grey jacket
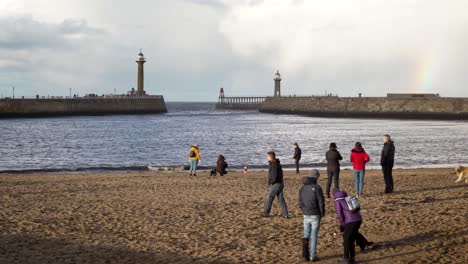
(312, 204)
(333, 157)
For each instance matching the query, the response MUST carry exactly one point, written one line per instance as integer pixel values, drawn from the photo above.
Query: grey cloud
(24, 32)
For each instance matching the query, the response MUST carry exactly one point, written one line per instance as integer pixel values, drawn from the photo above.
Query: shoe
(315, 259)
(194, 174)
(265, 215)
(305, 249)
(191, 174)
(285, 216)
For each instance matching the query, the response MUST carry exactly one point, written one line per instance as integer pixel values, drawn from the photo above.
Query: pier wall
(81, 106)
(375, 107)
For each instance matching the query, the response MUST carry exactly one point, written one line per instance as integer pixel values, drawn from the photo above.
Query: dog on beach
(213, 172)
(461, 172)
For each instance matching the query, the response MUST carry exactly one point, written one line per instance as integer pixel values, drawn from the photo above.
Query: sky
(194, 47)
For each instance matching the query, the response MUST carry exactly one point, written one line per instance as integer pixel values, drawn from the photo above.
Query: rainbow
(422, 73)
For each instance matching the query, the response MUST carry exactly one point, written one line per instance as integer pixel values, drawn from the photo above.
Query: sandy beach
(174, 218)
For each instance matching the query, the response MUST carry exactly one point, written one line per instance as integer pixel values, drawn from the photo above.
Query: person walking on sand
(350, 222)
(297, 156)
(194, 158)
(333, 157)
(275, 181)
(312, 204)
(387, 159)
(359, 158)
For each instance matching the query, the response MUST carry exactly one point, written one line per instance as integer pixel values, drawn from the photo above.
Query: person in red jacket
(359, 158)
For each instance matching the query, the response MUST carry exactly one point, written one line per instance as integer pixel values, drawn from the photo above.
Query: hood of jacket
(340, 194)
(307, 180)
(221, 157)
(357, 150)
(275, 161)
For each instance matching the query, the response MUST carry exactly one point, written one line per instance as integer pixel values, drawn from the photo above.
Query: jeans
(359, 180)
(193, 166)
(336, 176)
(311, 229)
(276, 190)
(350, 235)
(388, 178)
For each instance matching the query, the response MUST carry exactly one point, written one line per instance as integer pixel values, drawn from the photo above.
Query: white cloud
(195, 46)
(303, 36)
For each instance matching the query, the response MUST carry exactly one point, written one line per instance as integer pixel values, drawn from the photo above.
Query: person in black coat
(333, 157)
(275, 181)
(387, 160)
(297, 156)
(221, 165)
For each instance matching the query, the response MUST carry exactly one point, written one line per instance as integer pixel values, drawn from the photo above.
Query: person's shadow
(26, 249)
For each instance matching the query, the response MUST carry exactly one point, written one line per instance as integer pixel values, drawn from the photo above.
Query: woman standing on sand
(350, 222)
(359, 158)
(194, 158)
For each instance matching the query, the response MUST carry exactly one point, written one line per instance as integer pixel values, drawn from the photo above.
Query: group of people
(311, 197)
(359, 159)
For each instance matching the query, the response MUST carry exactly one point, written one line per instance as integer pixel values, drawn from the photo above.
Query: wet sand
(175, 218)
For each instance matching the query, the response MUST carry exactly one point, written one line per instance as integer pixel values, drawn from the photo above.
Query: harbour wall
(444, 108)
(11, 108)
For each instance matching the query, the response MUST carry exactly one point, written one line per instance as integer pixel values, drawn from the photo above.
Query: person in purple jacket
(349, 224)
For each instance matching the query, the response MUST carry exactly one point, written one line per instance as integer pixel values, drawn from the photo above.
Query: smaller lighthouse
(140, 88)
(277, 78)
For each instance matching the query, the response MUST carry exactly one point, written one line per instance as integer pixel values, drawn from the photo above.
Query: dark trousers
(276, 190)
(296, 161)
(335, 175)
(350, 235)
(388, 178)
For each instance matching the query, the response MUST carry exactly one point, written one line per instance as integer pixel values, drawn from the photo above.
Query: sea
(145, 142)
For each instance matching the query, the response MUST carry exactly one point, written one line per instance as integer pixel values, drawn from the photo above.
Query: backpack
(353, 203)
(192, 154)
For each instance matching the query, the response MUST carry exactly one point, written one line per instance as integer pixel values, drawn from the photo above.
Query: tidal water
(243, 137)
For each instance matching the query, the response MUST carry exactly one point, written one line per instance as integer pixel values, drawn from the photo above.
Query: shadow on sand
(27, 249)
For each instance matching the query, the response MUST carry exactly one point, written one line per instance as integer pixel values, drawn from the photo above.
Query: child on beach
(221, 165)
(194, 158)
(275, 181)
(359, 158)
(312, 204)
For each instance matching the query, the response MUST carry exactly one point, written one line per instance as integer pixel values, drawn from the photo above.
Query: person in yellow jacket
(194, 157)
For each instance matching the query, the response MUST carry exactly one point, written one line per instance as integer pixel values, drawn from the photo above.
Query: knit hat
(358, 144)
(314, 173)
(333, 145)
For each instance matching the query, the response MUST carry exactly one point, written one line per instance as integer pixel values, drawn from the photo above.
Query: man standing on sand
(312, 204)
(194, 157)
(297, 156)
(333, 157)
(275, 180)
(386, 161)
